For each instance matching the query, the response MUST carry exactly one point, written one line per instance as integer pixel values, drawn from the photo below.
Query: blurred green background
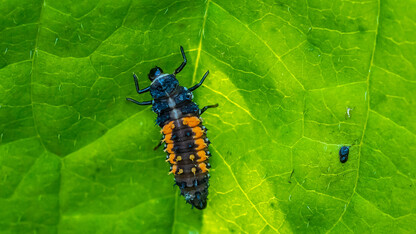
(75, 157)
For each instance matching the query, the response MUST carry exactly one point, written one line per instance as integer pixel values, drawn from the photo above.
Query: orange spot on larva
(198, 132)
(168, 128)
(173, 171)
(202, 156)
(201, 144)
(171, 159)
(203, 167)
(168, 138)
(192, 157)
(169, 148)
(193, 170)
(191, 121)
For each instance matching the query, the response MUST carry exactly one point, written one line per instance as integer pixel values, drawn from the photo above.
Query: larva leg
(207, 107)
(136, 81)
(179, 69)
(139, 103)
(158, 145)
(200, 83)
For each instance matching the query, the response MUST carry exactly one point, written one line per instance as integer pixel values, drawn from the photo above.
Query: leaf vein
(244, 193)
(368, 113)
(264, 42)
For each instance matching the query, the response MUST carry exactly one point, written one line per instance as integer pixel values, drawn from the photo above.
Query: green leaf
(75, 157)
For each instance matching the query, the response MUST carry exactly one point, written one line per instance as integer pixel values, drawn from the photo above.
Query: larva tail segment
(187, 148)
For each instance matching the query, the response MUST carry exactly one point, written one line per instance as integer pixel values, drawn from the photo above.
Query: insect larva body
(184, 135)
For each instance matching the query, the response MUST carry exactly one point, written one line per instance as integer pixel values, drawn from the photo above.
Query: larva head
(162, 84)
(154, 73)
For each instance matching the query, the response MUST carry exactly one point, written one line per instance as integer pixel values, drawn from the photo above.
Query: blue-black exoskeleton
(343, 153)
(183, 133)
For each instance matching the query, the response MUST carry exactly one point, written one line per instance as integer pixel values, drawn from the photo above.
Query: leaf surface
(295, 81)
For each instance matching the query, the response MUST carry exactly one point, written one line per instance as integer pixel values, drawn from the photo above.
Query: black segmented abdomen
(185, 138)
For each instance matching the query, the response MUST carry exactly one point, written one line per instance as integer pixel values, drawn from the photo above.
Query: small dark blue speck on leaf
(343, 153)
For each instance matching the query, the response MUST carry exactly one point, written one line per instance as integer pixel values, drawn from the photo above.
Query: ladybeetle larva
(184, 135)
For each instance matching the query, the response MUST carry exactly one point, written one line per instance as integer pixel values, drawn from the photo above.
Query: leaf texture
(75, 157)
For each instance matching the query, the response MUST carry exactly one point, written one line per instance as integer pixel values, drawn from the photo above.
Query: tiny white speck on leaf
(56, 40)
(348, 113)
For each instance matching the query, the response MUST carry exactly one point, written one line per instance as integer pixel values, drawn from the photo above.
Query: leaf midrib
(367, 116)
